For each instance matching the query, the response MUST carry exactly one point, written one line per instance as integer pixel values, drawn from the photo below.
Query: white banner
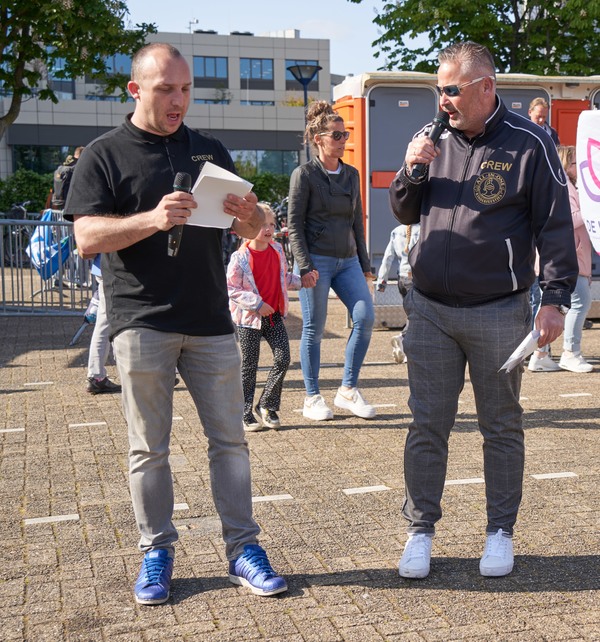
(588, 172)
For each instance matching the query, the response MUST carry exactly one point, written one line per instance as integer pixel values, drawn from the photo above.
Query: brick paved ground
(63, 454)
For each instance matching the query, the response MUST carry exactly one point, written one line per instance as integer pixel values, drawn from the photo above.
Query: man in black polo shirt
(167, 312)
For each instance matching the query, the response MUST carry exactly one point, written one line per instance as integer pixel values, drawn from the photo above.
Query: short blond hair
(538, 102)
(266, 209)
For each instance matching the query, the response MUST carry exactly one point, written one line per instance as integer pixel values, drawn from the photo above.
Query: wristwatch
(563, 309)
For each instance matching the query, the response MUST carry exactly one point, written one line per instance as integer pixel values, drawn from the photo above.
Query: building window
(256, 73)
(107, 99)
(64, 88)
(292, 84)
(259, 161)
(211, 101)
(258, 103)
(119, 64)
(210, 71)
(43, 159)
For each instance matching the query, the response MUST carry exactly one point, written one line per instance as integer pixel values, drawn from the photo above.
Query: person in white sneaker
(581, 297)
(490, 190)
(326, 231)
(402, 239)
(541, 361)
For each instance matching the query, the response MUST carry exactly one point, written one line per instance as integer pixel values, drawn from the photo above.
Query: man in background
(538, 114)
(62, 179)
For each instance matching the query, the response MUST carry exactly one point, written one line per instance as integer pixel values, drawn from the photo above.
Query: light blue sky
(348, 26)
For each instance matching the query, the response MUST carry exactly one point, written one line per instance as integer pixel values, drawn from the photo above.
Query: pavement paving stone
(72, 580)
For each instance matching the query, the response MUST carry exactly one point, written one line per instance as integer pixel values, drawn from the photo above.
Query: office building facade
(242, 93)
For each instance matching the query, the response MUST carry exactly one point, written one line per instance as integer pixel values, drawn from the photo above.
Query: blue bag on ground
(46, 254)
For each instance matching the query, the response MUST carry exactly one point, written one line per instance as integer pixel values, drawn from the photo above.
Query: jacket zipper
(513, 276)
(466, 164)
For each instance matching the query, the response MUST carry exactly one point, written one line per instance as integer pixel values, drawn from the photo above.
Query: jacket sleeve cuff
(556, 298)
(405, 178)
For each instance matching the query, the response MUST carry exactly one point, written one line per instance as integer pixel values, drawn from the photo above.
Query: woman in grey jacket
(325, 221)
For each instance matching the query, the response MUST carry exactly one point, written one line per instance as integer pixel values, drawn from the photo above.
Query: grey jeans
(210, 368)
(439, 343)
(100, 341)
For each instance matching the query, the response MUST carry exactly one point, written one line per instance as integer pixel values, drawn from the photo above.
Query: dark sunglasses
(337, 135)
(452, 91)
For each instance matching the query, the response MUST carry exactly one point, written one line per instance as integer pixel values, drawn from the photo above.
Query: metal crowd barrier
(23, 288)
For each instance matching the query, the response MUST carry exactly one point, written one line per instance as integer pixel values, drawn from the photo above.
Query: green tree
(61, 39)
(544, 37)
(268, 186)
(25, 185)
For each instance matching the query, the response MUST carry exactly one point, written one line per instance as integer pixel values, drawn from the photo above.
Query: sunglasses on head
(452, 91)
(337, 135)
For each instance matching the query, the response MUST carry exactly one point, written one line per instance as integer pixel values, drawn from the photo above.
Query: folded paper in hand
(525, 348)
(210, 192)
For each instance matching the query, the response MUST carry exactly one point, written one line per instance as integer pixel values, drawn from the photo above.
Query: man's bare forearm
(100, 234)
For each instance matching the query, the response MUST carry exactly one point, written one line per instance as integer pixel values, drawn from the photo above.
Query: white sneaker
(398, 349)
(497, 557)
(316, 408)
(542, 364)
(574, 362)
(353, 401)
(416, 559)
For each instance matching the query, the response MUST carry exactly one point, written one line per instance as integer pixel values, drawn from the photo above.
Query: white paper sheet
(210, 191)
(525, 348)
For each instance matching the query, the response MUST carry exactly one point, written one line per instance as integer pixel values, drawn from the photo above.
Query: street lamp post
(304, 74)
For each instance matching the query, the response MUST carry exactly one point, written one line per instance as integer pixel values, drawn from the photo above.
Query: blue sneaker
(252, 569)
(154, 581)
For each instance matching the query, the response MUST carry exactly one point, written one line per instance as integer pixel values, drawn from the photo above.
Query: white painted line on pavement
(458, 482)
(384, 405)
(554, 475)
(364, 489)
(577, 394)
(50, 520)
(39, 383)
(91, 423)
(13, 430)
(270, 498)
(182, 506)
(178, 418)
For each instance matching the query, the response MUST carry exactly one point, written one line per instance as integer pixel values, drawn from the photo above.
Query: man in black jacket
(494, 189)
(62, 179)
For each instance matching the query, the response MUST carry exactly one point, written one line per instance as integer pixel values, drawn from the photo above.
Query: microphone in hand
(182, 183)
(440, 122)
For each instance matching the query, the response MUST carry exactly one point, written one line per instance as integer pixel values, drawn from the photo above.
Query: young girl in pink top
(257, 282)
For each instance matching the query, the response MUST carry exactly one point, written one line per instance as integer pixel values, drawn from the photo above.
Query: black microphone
(440, 122)
(182, 183)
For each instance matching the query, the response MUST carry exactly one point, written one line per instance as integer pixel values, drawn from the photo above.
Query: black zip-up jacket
(325, 215)
(484, 205)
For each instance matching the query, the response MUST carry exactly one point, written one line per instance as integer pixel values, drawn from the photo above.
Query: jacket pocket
(315, 234)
